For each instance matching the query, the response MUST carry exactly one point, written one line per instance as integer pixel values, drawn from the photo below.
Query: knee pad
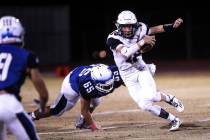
(154, 109)
(145, 106)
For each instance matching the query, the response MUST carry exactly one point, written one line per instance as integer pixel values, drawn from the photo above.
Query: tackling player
(87, 83)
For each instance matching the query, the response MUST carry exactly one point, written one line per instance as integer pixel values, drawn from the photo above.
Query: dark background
(69, 34)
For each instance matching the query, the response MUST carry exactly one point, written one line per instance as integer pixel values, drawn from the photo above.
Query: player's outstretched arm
(165, 27)
(85, 105)
(40, 86)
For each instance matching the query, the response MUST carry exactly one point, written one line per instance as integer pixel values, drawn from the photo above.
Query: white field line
(122, 111)
(110, 127)
(204, 120)
(104, 128)
(88, 130)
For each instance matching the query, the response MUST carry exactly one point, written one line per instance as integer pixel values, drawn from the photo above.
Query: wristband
(168, 27)
(93, 126)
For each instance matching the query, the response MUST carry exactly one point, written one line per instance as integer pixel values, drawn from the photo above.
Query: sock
(171, 117)
(33, 115)
(163, 114)
(166, 115)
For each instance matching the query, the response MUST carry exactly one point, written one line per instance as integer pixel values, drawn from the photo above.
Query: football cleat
(175, 124)
(176, 103)
(32, 116)
(81, 124)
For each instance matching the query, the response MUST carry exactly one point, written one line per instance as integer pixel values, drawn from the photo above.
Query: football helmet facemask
(127, 19)
(103, 78)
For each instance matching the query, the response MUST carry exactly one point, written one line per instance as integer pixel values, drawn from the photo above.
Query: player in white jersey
(126, 44)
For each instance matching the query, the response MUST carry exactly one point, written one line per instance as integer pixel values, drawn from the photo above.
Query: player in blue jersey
(15, 64)
(87, 83)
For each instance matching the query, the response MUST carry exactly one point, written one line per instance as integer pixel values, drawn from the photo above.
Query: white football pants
(142, 89)
(67, 99)
(14, 118)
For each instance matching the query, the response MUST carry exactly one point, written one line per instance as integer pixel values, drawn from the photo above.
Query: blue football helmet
(103, 78)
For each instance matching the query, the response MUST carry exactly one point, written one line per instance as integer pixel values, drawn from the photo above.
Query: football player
(15, 64)
(127, 43)
(87, 83)
(81, 123)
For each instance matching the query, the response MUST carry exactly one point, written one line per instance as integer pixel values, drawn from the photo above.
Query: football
(146, 48)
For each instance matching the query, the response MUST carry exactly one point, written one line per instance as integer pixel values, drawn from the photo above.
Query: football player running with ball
(127, 43)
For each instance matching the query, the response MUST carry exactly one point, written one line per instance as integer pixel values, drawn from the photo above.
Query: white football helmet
(11, 30)
(103, 78)
(126, 18)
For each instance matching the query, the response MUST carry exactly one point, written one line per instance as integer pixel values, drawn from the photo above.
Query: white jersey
(135, 61)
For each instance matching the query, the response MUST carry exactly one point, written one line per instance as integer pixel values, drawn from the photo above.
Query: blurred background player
(15, 64)
(127, 43)
(87, 83)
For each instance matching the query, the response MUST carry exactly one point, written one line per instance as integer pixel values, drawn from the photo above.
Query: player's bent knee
(144, 107)
(147, 107)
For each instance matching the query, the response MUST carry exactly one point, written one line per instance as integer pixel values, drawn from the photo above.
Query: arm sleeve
(33, 60)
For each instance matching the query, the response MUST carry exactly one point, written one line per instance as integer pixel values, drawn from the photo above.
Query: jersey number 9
(5, 60)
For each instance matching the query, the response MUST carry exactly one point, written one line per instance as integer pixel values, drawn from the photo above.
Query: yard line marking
(88, 130)
(122, 111)
(204, 120)
(105, 128)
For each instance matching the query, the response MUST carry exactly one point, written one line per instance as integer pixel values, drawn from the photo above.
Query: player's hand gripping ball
(146, 48)
(147, 43)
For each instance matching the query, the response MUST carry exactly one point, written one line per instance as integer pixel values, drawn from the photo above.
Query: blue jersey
(83, 84)
(14, 62)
